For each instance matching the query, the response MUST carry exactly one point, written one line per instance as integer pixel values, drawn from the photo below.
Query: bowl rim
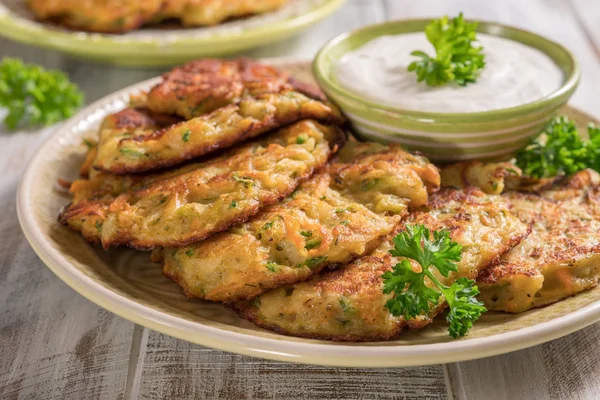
(554, 99)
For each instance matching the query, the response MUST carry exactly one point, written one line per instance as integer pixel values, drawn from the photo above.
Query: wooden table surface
(55, 344)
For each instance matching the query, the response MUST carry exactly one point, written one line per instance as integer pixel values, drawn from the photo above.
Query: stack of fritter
(116, 16)
(240, 180)
(561, 256)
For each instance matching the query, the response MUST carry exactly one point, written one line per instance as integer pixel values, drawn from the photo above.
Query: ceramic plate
(160, 46)
(128, 284)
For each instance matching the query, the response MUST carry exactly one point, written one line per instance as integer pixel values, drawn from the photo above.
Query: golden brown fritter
(110, 16)
(560, 258)
(212, 12)
(349, 304)
(187, 205)
(129, 118)
(491, 178)
(340, 214)
(202, 86)
(124, 150)
(117, 16)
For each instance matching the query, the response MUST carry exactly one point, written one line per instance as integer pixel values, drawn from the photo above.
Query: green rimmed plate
(127, 283)
(155, 47)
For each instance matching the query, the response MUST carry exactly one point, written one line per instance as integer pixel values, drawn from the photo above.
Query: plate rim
(109, 47)
(278, 349)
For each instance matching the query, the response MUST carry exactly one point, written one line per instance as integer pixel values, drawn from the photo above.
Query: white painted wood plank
(177, 369)
(588, 13)
(551, 18)
(568, 368)
(353, 14)
(54, 344)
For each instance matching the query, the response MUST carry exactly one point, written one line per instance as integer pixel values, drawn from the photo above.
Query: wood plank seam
(453, 380)
(584, 28)
(139, 344)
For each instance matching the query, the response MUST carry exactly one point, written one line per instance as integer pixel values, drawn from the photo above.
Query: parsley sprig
(35, 96)
(412, 297)
(457, 59)
(560, 150)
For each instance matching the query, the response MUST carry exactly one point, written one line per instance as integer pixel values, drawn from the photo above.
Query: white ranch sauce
(514, 74)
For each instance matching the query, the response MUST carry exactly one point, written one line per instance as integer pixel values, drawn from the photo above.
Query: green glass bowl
(446, 136)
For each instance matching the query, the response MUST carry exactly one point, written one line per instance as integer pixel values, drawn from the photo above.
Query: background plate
(153, 47)
(128, 284)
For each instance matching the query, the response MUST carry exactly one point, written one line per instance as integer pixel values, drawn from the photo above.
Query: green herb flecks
(315, 261)
(246, 181)
(186, 135)
(301, 139)
(271, 266)
(131, 152)
(345, 305)
(313, 243)
(268, 225)
(368, 184)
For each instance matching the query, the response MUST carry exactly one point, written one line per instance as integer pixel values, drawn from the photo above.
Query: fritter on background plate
(212, 12)
(182, 206)
(110, 16)
(338, 215)
(118, 16)
(349, 304)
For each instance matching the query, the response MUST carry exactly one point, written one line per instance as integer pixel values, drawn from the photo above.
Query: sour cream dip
(514, 74)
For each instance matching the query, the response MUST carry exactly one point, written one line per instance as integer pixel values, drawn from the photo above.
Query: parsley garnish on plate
(560, 150)
(413, 297)
(456, 58)
(35, 96)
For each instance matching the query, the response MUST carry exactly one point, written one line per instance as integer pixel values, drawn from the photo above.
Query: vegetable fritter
(560, 258)
(340, 214)
(349, 304)
(129, 118)
(111, 16)
(122, 150)
(116, 16)
(491, 178)
(182, 206)
(202, 86)
(212, 12)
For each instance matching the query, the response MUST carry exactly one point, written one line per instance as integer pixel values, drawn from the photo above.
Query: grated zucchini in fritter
(560, 258)
(186, 205)
(349, 304)
(338, 215)
(202, 86)
(123, 150)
